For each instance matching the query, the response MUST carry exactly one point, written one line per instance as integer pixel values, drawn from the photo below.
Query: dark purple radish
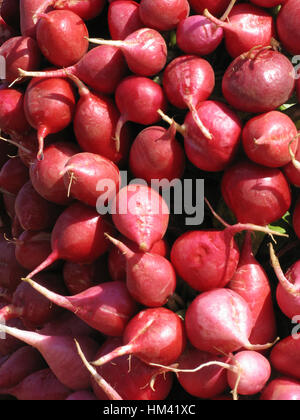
(78, 236)
(198, 35)
(107, 307)
(13, 176)
(68, 324)
(46, 176)
(6, 150)
(16, 228)
(12, 117)
(102, 69)
(281, 389)
(11, 344)
(270, 75)
(32, 248)
(163, 15)
(220, 321)
(6, 32)
(87, 10)
(20, 52)
(62, 37)
(248, 26)
(156, 155)
(84, 395)
(123, 19)
(61, 355)
(29, 10)
(287, 28)
(256, 194)
(216, 7)
(49, 106)
(154, 336)
(251, 282)
(296, 219)
(267, 137)
(20, 364)
(145, 51)
(285, 357)
(33, 211)
(83, 174)
(140, 214)
(9, 205)
(10, 12)
(148, 289)
(10, 270)
(188, 81)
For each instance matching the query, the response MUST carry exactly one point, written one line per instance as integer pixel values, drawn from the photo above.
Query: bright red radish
(87, 10)
(12, 116)
(145, 51)
(282, 389)
(287, 27)
(156, 155)
(256, 194)
(107, 307)
(198, 35)
(140, 214)
(251, 282)
(285, 356)
(123, 18)
(248, 26)
(84, 395)
(32, 248)
(46, 176)
(216, 7)
(163, 15)
(153, 335)
(13, 176)
(259, 81)
(29, 10)
(266, 139)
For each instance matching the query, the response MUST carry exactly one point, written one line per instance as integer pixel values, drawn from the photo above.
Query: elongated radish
(13, 176)
(123, 18)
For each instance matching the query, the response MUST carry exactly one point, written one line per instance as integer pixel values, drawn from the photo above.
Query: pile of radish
(136, 302)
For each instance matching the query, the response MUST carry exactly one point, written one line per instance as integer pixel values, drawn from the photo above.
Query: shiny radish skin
(87, 10)
(123, 19)
(285, 357)
(281, 389)
(216, 7)
(256, 194)
(28, 15)
(13, 176)
(270, 75)
(287, 27)
(32, 248)
(12, 116)
(163, 15)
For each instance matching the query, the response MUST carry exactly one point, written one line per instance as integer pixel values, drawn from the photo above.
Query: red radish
(9, 204)
(251, 282)
(39, 386)
(82, 174)
(189, 80)
(6, 32)
(145, 51)
(46, 176)
(266, 139)
(296, 218)
(106, 307)
(20, 364)
(163, 15)
(32, 248)
(11, 344)
(10, 12)
(156, 155)
(82, 396)
(220, 321)
(10, 270)
(78, 236)
(153, 335)
(248, 26)
(268, 3)
(140, 214)
(282, 389)
(287, 28)
(13, 176)
(6, 150)
(117, 260)
(49, 107)
(256, 194)
(291, 170)
(29, 10)
(269, 74)
(16, 228)
(285, 357)
(216, 7)
(102, 68)
(123, 18)
(12, 116)
(20, 52)
(68, 324)
(198, 35)
(60, 354)
(87, 10)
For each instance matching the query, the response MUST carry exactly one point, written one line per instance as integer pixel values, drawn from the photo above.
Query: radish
(46, 176)
(16, 228)
(268, 3)
(153, 335)
(6, 32)
(6, 150)
(62, 37)
(220, 321)
(287, 28)
(282, 389)
(216, 7)
(10, 12)
(87, 10)
(10, 270)
(163, 15)
(9, 205)
(12, 116)
(13, 176)
(68, 324)
(189, 80)
(20, 364)
(285, 357)
(32, 248)
(296, 218)
(291, 170)
(140, 214)
(266, 139)
(248, 26)
(29, 10)
(145, 51)
(33, 211)
(198, 35)
(123, 19)
(156, 155)
(20, 51)
(270, 75)
(102, 68)
(82, 396)
(251, 282)
(256, 194)
(60, 354)
(11, 344)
